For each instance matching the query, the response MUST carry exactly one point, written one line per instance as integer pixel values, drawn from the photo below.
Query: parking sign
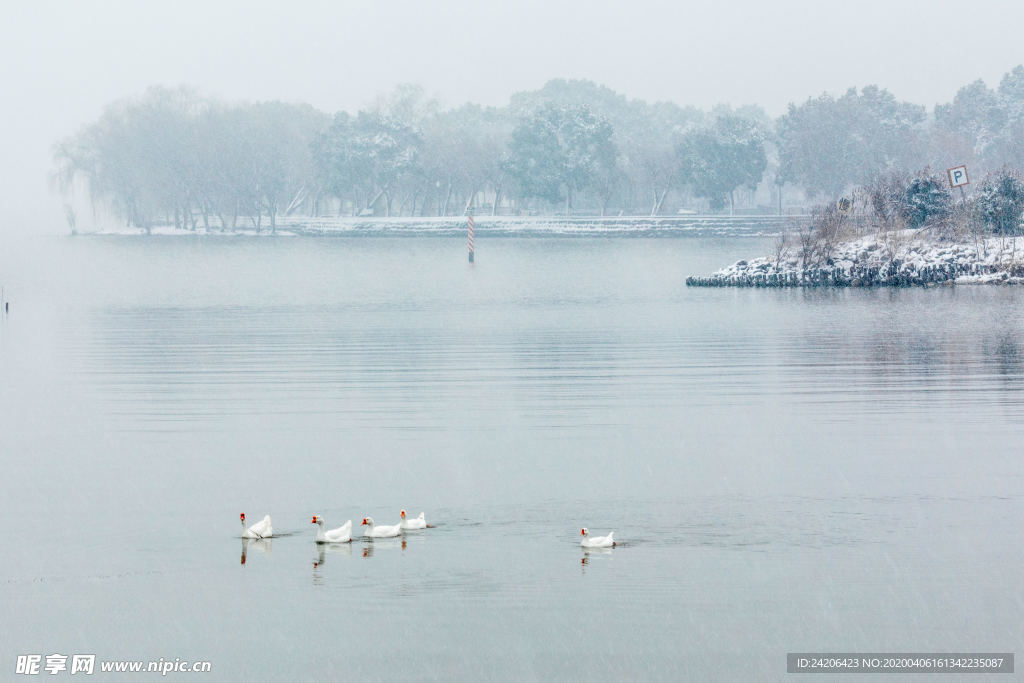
(958, 176)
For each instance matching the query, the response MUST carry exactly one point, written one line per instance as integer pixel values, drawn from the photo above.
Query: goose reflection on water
(370, 547)
(263, 545)
(324, 549)
(588, 552)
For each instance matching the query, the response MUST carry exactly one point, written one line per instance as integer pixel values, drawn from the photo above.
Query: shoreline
(333, 226)
(895, 259)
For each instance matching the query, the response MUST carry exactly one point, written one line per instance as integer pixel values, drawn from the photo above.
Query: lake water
(785, 470)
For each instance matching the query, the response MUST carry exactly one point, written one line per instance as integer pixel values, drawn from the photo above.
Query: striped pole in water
(470, 216)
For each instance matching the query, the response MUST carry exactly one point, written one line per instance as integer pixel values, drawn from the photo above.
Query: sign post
(958, 178)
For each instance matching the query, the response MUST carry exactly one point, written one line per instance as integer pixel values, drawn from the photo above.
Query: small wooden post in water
(469, 215)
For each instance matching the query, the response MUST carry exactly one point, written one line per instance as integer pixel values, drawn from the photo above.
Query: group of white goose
(343, 534)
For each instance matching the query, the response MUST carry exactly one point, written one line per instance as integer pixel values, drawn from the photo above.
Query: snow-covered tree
(972, 120)
(462, 155)
(559, 151)
(716, 161)
(363, 158)
(1000, 201)
(926, 199)
(826, 144)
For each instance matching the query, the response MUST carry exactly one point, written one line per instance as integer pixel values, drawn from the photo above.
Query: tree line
(177, 157)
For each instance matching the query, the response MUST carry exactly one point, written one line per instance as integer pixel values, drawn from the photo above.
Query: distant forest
(176, 157)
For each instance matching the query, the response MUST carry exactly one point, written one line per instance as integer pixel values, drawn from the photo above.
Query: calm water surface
(786, 470)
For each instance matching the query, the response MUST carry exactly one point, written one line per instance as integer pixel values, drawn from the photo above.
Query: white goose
(415, 523)
(343, 534)
(261, 529)
(596, 541)
(380, 531)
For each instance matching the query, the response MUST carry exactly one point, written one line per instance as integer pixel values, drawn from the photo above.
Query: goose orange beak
(583, 532)
(364, 522)
(314, 520)
(403, 514)
(242, 516)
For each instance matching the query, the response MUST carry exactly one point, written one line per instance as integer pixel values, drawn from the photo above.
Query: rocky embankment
(890, 260)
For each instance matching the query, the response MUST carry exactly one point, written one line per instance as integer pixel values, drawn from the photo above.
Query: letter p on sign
(958, 176)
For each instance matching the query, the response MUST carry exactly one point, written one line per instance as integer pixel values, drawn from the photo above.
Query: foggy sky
(61, 62)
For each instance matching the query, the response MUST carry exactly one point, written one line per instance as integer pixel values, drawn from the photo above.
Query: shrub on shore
(926, 201)
(884, 196)
(893, 201)
(1000, 202)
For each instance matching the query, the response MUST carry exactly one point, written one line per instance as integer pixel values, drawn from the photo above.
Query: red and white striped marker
(470, 216)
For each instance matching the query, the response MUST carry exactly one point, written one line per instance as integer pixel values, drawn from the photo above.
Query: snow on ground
(171, 231)
(895, 258)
